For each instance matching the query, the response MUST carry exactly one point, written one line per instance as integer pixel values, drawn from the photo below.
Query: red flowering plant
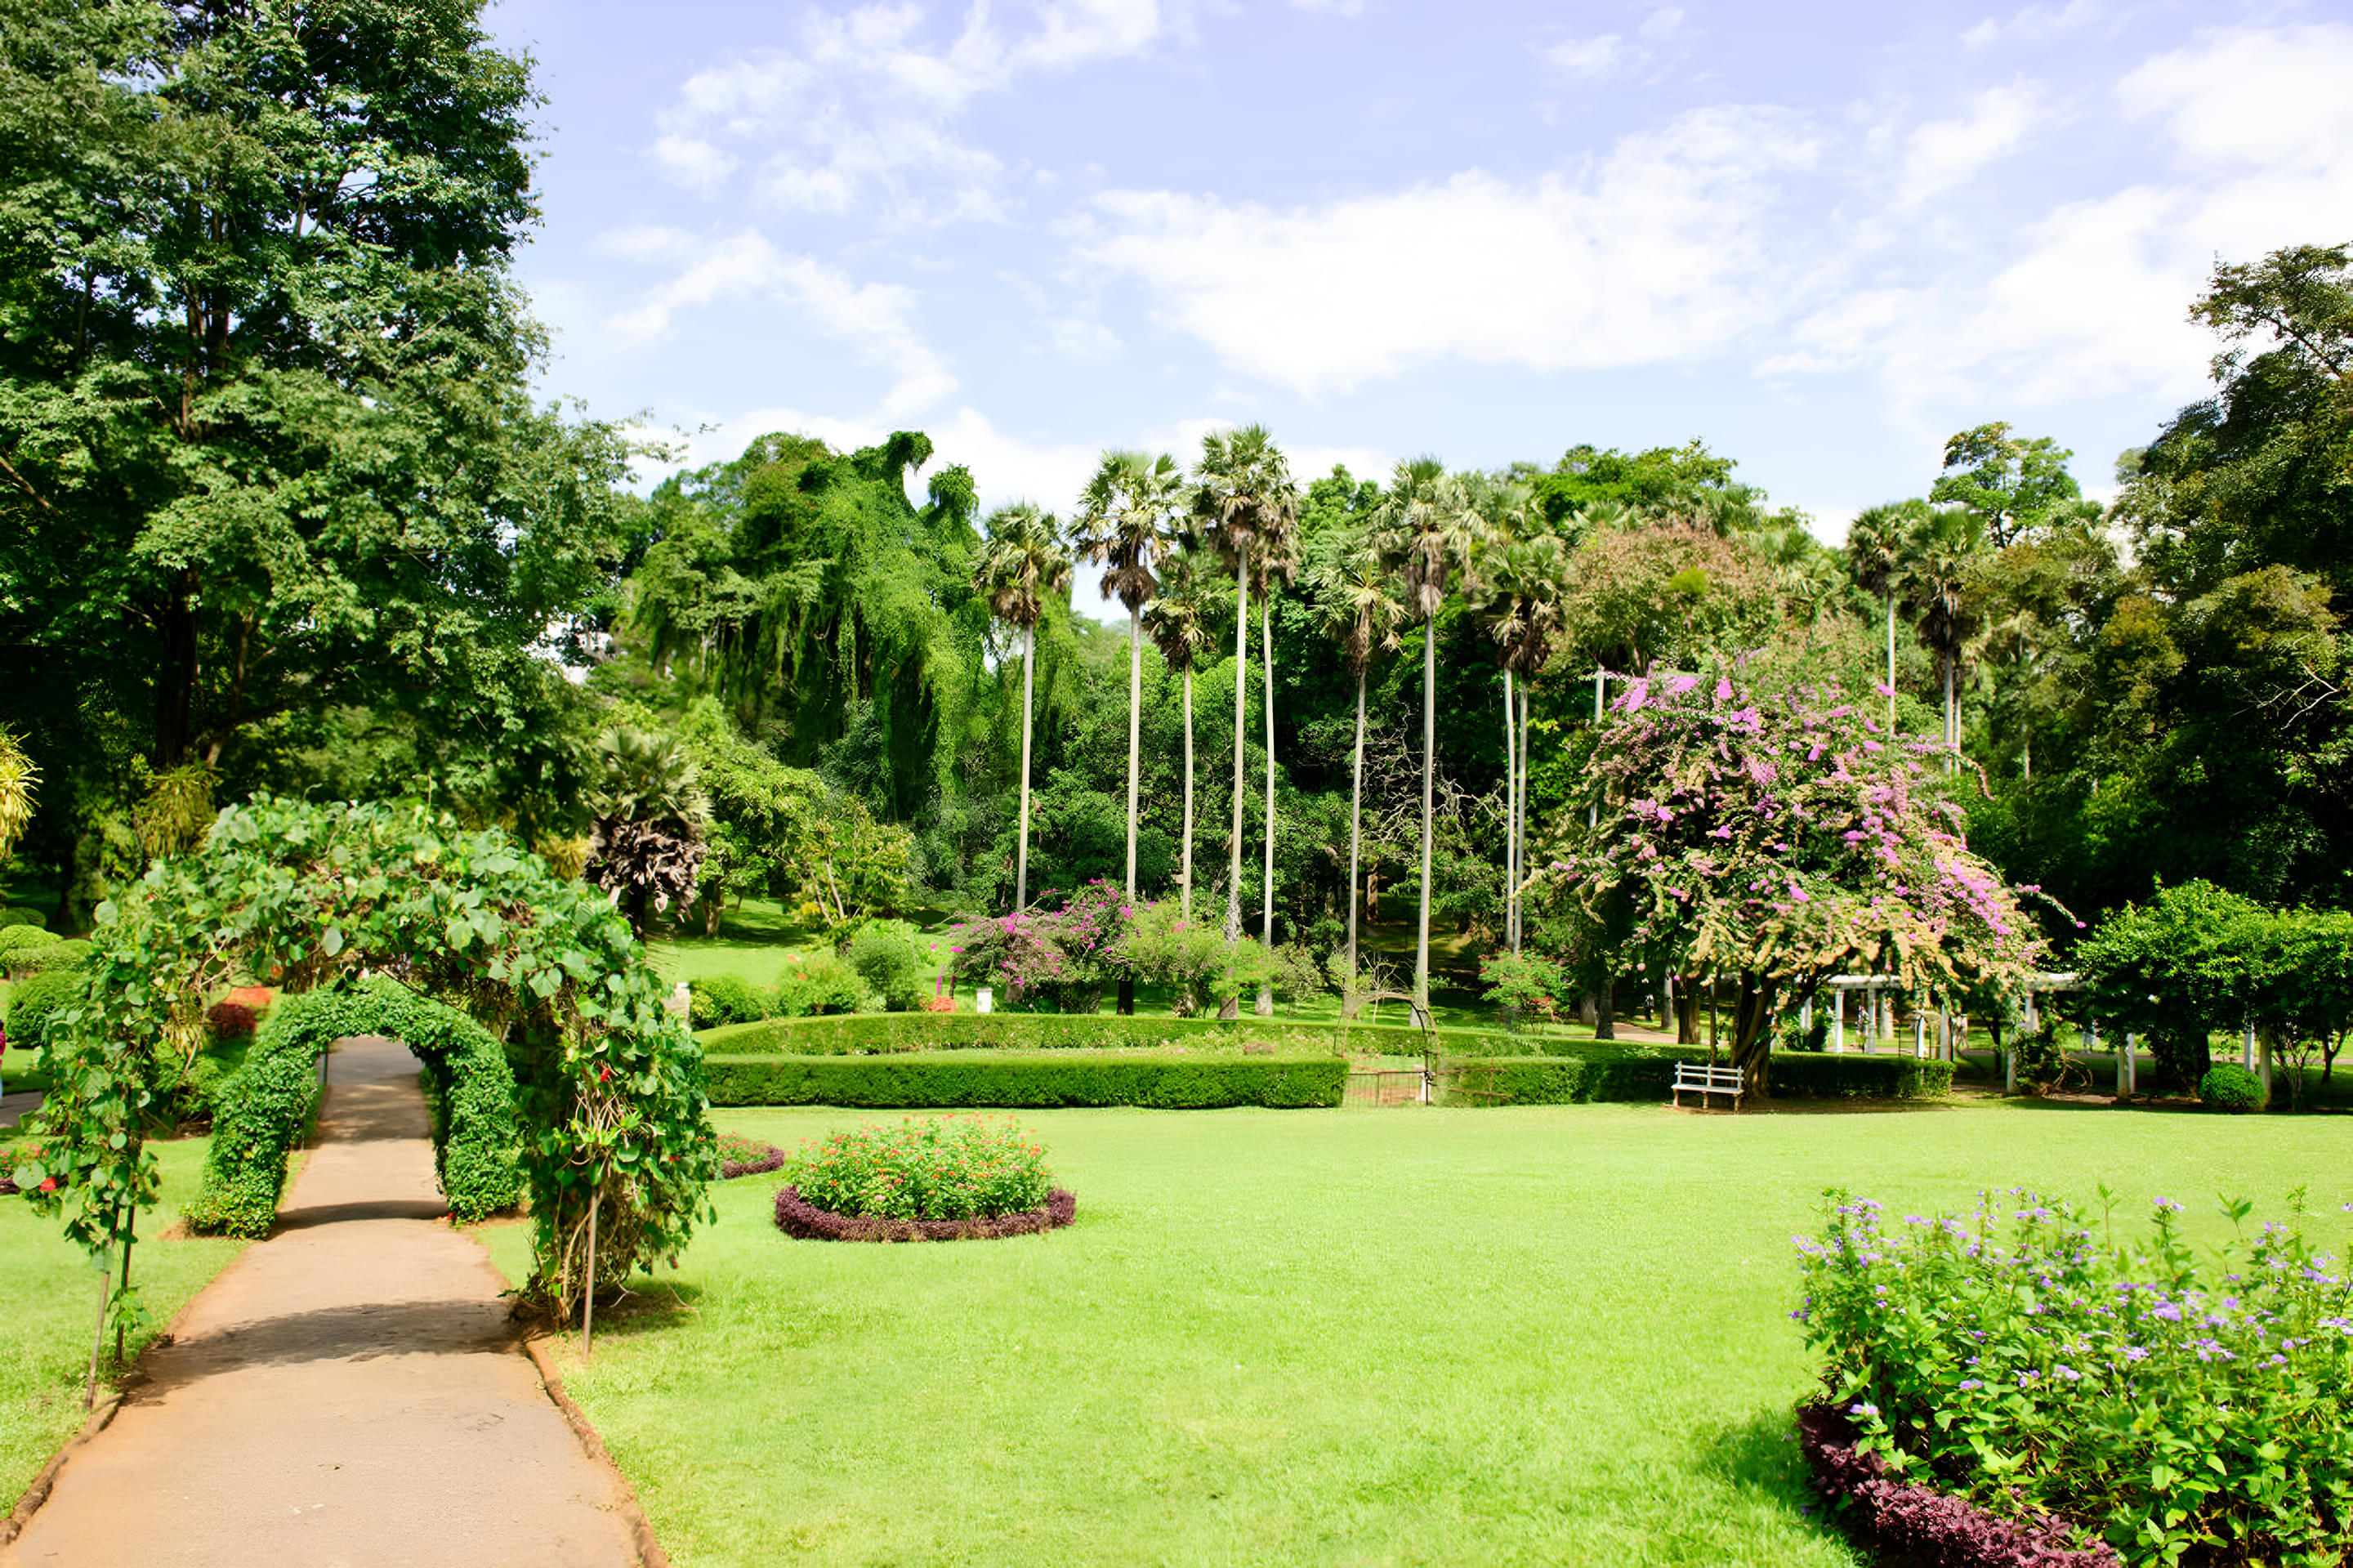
(1783, 837)
(1067, 954)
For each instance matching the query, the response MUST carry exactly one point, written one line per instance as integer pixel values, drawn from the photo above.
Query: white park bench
(1699, 1078)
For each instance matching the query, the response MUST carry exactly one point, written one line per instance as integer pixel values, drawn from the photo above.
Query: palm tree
(1277, 556)
(1178, 619)
(1353, 599)
(1023, 563)
(18, 778)
(1243, 493)
(1935, 570)
(651, 817)
(1874, 550)
(1430, 528)
(1125, 523)
(1523, 583)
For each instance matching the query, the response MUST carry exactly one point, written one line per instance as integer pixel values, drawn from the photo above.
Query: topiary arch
(391, 918)
(260, 1111)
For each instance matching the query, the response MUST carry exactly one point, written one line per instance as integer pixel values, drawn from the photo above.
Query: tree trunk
(1021, 854)
(1511, 821)
(1241, 728)
(1752, 1035)
(1266, 641)
(1355, 819)
(1428, 766)
(1890, 663)
(1188, 793)
(175, 679)
(1134, 732)
(1520, 914)
(1686, 1012)
(1952, 725)
(1605, 1010)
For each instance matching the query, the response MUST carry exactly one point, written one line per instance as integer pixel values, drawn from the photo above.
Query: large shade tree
(1781, 836)
(1023, 564)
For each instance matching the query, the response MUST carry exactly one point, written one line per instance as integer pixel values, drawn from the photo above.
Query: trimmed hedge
(1604, 1070)
(941, 1080)
(880, 1033)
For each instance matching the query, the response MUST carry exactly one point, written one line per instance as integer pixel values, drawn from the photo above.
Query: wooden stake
(97, 1338)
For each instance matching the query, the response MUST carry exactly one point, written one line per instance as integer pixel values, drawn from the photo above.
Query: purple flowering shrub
(1067, 954)
(1784, 836)
(2179, 1409)
(928, 1167)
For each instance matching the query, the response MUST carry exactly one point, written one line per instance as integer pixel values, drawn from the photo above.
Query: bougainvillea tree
(1782, 837)
(608, 1085)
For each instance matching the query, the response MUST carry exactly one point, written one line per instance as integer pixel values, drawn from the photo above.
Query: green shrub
(889, 1032)
(943, 1080)
(818, 982)
(2231, 1088)
(18, 915)
(724, 999)
(938, 1168)
(65, 955)
(886, 957)
(32, 1002)
(1597, 1070)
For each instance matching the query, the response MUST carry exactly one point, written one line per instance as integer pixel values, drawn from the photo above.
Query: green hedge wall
(881, 1032)
(1025, 1081)
(1606, 1072)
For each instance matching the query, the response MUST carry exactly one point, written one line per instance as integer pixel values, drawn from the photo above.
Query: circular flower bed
(741, 1156)
(930, 1178)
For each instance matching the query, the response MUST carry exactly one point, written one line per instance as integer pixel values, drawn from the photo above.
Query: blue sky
(1819, 238)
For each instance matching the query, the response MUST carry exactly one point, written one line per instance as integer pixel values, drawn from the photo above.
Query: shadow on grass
(1759, 1458)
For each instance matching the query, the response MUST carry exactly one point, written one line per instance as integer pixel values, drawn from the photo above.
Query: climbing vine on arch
(608, 1086)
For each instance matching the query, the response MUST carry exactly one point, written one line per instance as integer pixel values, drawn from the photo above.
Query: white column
(1837, 1018)
(2132, 1067)
(2247, 1050)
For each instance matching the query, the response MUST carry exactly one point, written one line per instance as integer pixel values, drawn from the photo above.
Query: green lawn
(48, 1303)
(1549, 1335)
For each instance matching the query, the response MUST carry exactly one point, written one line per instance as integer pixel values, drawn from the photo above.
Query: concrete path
(346, 1394)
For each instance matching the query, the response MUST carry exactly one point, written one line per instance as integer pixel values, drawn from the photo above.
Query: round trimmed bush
(18, 915)
(2231, 1088)
(32, 1001)
(928, 1167)
(724, 999)
(818, 982)
(19, 939)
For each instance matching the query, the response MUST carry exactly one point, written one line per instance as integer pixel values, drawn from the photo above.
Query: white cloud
(1947, 152)
(2283, 100)
(863, 102)
(1332, 7)
(1595, 57)
(878, 318)
(1653, 255)
(2034, 24)
(1661, 36)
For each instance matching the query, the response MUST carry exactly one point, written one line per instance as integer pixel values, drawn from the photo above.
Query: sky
(1819, 238)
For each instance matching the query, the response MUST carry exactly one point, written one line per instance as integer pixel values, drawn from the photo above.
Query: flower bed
(797, 1217)
(741, 1156)
(2179, 1410)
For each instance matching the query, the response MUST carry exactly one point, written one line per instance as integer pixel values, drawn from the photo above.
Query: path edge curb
(38, 1492)
(641, 1529)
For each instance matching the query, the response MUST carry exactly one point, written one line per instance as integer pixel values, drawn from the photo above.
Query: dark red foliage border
(1914, 1524)
(795, 1218)
(772, 1160)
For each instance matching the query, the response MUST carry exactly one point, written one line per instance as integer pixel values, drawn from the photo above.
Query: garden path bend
(346, 1394)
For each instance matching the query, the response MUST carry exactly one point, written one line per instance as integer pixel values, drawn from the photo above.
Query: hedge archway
(262, 1109)
(614, 1135)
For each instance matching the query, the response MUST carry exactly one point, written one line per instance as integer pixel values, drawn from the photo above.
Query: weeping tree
(1355, 601)
(1779, 836)
(1180, 621)
(1023, 563)
(1126, 523)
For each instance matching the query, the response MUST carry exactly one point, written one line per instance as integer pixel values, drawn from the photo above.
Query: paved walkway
(346, 1394)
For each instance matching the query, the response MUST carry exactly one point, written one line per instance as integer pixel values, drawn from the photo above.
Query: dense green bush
(724, 999)
(889, 1032)
(886, 957)
(18, 915)
(2187, 1408)
(935, 1167)
(15, 938)
(818, 982)
(942, 1080)
(65, 955)
(2231, 1088)
(1597, 1070)
(31, 1003)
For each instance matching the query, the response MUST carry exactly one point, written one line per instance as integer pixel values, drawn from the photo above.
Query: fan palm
(1430, 528)
(1242, 493)
(652, 817)
(1023, 563)
(1125, 523)
(1874, 551)
(1936, 571)
(18, 778)
(1178, 621)
(1523, 583)
(1355, 601)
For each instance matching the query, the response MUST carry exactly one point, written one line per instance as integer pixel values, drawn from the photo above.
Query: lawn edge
(641, 1529)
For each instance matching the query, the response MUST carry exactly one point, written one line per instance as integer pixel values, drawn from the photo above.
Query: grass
(48, 1304)
(1535, 1335)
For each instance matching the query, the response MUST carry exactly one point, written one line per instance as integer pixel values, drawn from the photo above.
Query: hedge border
(807, 1221)
(1915, 1523)
(1036, 1081)
(1604, 1070)
(773, 1160)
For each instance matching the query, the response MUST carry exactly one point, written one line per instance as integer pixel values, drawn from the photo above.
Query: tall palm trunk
(1952, 715)
(1356, 818)
(1233, 1008)
(1519, 914)
(1266, 908)
(1021, 855)
(1891, 666)
(1429, 762)
(1135, 733)
(1188, 793)
(1511, 821)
